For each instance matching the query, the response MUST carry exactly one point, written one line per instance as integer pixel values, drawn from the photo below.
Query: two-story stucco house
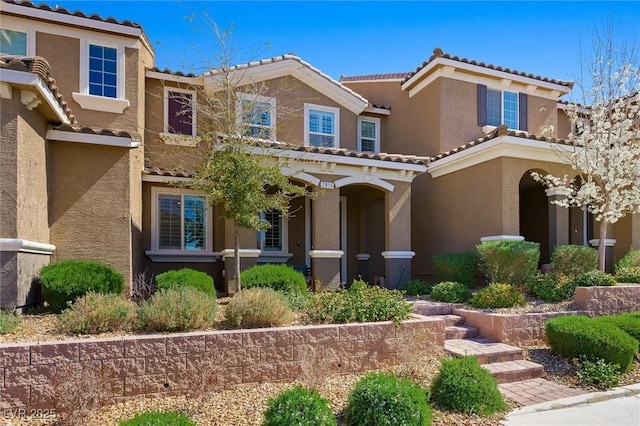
(95, 138)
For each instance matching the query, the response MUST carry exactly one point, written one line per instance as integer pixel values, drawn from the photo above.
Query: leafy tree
(604, 146)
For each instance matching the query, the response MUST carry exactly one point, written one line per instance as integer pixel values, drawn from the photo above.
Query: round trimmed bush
(593, 279)
(258, 307)
(65, 281)
(416, 288)
(497, 296)
(575, 336)
(456, 267)
(574, 260)
(298, 406)
(177, 309)
(451, 292)
(98, 313)
(551, 287)
(186, 277)
(159, 418)
(463, 385)
(508, 261)
(629, 323)
(384, 399)
(279, 277)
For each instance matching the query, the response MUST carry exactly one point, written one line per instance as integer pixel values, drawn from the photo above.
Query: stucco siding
(9, 168)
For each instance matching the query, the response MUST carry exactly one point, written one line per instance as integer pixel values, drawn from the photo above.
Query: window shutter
(523, 111)
(482, 104)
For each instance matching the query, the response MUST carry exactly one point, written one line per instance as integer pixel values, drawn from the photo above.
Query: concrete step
(514, 371)
(428, 308)
(460, 332)
(486, 351)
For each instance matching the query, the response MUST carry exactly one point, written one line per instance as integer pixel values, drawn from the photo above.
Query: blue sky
(354, 38)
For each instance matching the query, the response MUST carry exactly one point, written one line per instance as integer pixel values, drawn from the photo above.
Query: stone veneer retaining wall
(170, 364)
(514, 329)
(609, 300)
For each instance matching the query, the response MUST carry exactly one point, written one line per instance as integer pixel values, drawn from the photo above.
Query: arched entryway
(534, 213)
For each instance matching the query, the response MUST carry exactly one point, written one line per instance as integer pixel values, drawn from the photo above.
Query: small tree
(605, 148)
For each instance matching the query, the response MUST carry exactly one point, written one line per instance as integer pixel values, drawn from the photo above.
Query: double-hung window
(321, 126)
(179, 111)
(103, 71)
(256, 116)
(13, 42)
(272, 239)
(368, 134)
(496, 107)
(181, 222)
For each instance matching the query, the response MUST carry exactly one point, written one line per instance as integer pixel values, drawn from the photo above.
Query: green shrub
(594, 278)
(629, 323)
(551, 287)
(179, 309)
(463, 385)
(497, 296)
(416, 288)
(628, 274)
(65, 281)
(359, 303)
(186, 277)
(451, 292)
(574, 260)
(630, 260)
(279, 277)
(456, 267)
(508, 261)
(8, 322)
(258, 307)
(97, 313)
(598, 373)
(384, 399)
(298, 406)
(575, 336)
(159, 418)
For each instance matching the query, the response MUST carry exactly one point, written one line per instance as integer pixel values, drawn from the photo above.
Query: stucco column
(558, 219)
(398, 252)
(635, 231)
(248, 254)
(325, 248)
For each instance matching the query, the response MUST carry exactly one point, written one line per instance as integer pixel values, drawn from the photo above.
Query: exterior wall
(564, 124)
(19, 285)
(608, 300)
(89, 203)
(156, 364)
(542, 117)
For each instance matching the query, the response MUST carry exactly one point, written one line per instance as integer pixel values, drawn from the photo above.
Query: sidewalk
(615, 407)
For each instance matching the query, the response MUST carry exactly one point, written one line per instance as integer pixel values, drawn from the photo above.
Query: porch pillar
(248, 254)
(635, 231)
(398, 252)
(325, 249)
(558, 219)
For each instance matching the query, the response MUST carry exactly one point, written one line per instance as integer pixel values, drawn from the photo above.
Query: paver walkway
(535, 391)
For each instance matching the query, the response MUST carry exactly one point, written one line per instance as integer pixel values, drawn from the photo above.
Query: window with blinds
(271, 239)
(182, 222)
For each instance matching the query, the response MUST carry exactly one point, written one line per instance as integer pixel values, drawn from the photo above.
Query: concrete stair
(460, 332)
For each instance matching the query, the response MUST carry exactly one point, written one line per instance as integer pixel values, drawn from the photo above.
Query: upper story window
(103, 71)
(179, 111)
(368, 134)
(181, 220)
(496, 107)
(13, 42)
(321, 124)
(257, 116)
(272, 238)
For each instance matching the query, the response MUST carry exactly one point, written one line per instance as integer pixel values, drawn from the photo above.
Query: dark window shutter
(522, 105)
(482, 104)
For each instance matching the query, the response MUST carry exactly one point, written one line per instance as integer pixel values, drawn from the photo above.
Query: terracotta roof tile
(134, 136)
(78, 13)
(163, 171)
(499, 131)
(38, 65)
(178, 73)
(438, 53)
(386, 76)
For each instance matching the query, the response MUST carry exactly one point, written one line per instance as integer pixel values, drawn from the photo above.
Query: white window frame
(193, 94)
(376, 141)
(101, 103)
(323, 108)
(163, 255)
(256, 98)
(273, 256)
(31, 37)
(502, 109)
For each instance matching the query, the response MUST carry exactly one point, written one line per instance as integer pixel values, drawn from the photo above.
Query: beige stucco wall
(9, 168)
(89, 203)
(564, 124)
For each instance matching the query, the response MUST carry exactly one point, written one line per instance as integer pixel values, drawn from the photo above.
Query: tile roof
(38, 65)
(134, 136)
(386, 76)
(438, 53)
(168, 71)
(77, 13)
(163, 171)
(501, 130)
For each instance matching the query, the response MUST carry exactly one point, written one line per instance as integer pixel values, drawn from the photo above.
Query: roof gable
(290, 65)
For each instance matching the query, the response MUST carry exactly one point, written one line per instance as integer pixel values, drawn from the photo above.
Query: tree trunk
(236, 247)
(602, 246)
